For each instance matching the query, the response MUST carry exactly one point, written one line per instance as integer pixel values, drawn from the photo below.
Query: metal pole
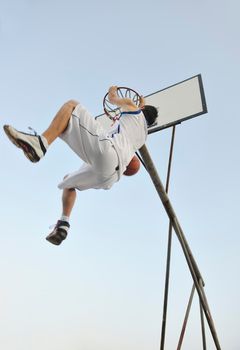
(186, 319)
(202, 327)
(165, 303)
(169, 247)
(179, 232)
(170, 158)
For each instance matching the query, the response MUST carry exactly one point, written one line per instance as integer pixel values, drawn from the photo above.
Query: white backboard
(175, 104)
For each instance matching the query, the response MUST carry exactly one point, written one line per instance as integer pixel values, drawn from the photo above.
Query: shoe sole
(55, 238)
(25, 147)
(53, 241)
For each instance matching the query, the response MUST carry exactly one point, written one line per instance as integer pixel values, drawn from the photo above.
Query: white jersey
(105, 154)
(128, 135)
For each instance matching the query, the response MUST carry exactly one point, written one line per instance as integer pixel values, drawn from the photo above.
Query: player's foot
(59, 233)
(32, 145)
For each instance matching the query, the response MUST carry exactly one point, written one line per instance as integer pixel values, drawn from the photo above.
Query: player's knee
(71, 104)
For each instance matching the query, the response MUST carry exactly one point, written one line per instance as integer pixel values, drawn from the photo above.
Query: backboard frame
(203, 100)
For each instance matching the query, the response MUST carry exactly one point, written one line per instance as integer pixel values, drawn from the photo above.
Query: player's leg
(68, 200)
(35, 146)
(60, 122)
(61, 229)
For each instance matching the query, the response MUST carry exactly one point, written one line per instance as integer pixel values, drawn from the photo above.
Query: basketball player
(105, 155)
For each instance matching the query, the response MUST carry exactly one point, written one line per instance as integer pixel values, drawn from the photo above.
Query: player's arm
(142, 102)
(124, 103)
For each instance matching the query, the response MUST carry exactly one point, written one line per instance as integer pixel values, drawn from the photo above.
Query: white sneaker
(32, 145)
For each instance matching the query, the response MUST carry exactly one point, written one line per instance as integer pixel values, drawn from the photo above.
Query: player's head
(150, 114)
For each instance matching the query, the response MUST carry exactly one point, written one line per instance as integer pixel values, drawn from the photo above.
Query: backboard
(175, 104)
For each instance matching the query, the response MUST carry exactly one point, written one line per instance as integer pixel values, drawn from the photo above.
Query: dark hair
(150, 114)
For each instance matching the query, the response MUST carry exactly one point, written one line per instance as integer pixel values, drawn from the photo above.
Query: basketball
(132, 167)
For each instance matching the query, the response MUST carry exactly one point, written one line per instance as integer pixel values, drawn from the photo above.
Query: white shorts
(87, 139)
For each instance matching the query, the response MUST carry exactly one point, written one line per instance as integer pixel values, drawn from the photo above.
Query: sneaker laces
(52, 226)
(33, 131)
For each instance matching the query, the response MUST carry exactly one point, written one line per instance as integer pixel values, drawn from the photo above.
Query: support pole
(167, 276)
(198, 281)
(186, 319)
(169, 247)
(202, 327)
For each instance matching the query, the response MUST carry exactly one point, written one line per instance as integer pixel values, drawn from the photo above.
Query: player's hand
(112, 89)
(112, 94)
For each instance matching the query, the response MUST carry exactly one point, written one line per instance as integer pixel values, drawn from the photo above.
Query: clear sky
(102, 289)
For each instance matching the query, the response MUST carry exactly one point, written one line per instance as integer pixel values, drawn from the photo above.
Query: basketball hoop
(123, 92)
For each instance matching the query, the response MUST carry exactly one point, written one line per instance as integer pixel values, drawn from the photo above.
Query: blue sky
(103, 287)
